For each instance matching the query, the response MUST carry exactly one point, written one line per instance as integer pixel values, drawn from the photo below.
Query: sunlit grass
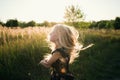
(21, 49)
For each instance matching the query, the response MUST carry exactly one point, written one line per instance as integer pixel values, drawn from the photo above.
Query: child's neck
(57, 46)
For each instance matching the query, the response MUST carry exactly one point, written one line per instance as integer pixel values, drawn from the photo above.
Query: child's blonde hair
(68, 38)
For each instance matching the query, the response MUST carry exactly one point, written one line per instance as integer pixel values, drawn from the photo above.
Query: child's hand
(43, 61)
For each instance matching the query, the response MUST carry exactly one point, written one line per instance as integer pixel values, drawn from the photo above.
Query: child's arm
(48, 63)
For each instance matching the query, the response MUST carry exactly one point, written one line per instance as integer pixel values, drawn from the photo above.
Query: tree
(117, 23)
(73, 14)
(31, 23)
(46, 23)
(102, 24)
(109, 24)
(22, 24)
(12, 23)
(93, 25)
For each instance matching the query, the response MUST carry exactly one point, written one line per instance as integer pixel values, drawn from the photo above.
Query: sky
(53, 10)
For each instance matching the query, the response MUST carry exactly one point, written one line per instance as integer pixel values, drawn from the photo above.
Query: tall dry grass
(21, 49)
(12, 34)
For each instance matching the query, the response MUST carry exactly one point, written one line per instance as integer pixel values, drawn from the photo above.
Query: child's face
(53, 36)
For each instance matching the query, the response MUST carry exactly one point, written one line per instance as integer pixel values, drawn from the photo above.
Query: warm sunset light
(53, 10)
(59, 40)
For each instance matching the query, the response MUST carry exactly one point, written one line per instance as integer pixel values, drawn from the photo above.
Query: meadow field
(21, 49)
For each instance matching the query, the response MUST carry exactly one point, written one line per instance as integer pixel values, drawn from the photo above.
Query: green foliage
(46, 24)
(22, 24)
(101, 61)
(20, 55)
(28, 24)
(83, 25)
(117, 23)
(31, 23)
(73, 14)
(103, 24)
(12, 23)
(109, 24)
(93, 25)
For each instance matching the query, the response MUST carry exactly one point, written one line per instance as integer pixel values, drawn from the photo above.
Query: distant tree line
(73, 16)
(16, 23)
(103, 24)
(106, 24)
